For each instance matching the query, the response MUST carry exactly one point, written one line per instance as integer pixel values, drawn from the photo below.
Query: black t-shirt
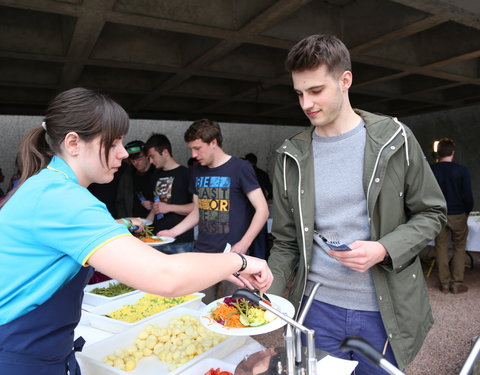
(222, 202)
(264, 181)
(172, 187)
(107, 193)
(142, 187)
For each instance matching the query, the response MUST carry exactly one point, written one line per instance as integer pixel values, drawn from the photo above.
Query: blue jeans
(176, 248)
(332, 324)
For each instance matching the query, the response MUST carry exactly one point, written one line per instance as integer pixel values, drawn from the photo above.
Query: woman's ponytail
(34, 154)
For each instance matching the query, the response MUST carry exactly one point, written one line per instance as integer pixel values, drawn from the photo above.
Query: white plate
(164, 239)
(279, 303)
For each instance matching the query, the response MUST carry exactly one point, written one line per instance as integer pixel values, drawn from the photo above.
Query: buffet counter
(107, 340)
(94, 335)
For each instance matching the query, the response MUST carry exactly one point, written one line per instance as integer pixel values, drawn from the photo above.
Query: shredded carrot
(150, 239)
(227, 314)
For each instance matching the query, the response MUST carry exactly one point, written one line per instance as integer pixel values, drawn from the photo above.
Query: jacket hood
(381, 129)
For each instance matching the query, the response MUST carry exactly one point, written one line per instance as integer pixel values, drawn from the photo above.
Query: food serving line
(224, 357)
(236, 352)
(184, 336)
(105, 335)
(233, 352)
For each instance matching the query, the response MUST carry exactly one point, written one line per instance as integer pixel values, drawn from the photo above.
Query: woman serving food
(43, 272)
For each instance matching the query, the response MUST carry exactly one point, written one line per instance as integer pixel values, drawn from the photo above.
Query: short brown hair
(445, 147)
(206, 130)
(159, 142)
(316, 50)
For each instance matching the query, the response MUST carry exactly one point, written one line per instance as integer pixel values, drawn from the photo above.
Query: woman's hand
(240, 281)
(257, 274)
(137, 223)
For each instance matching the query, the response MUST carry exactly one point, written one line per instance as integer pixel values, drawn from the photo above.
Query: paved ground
(457, 322)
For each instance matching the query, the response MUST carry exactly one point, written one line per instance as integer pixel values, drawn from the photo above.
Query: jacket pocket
(411, 305)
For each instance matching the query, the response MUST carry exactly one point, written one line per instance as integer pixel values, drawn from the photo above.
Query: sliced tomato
(225, 373)
(213, 371)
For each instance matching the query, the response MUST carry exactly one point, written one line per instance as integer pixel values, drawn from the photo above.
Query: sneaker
(457, 289)
(444, 289)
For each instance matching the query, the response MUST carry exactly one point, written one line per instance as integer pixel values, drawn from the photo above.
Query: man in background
(262, 176)
(260, 247)
(362, 179)
(134, 193)
(172, 200)
(454, 180)
(223, 186)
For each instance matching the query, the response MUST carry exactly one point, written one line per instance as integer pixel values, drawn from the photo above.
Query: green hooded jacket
(406, 210)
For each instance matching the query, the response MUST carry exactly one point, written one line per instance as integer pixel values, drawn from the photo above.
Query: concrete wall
(462, 125)
(238, 139)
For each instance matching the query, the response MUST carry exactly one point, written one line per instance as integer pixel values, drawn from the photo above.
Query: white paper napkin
(335, 366)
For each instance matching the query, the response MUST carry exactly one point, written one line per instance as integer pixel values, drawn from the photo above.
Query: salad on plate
(241, 313)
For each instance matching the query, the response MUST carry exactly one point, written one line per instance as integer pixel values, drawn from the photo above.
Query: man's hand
(161, 208)
(240, 247)
(167, 233)
(147, 204)
(362, 257)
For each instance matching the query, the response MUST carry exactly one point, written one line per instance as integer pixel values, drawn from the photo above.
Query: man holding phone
(359, 181)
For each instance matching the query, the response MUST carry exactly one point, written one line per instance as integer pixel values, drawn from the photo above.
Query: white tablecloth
(473, 239)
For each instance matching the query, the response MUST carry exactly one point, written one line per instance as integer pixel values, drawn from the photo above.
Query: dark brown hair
(206, 130)
(159, 142)
(445, 147)
(316, 50)
(78, 110)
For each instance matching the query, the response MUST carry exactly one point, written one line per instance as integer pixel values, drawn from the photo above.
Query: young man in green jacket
(363, 179)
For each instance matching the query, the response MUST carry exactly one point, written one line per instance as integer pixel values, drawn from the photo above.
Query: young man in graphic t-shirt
(170, 187)
(222, 187)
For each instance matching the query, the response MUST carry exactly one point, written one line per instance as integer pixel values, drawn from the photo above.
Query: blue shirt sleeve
(80, 225)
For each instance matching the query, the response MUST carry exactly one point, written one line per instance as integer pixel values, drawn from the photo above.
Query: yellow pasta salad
(146, 306)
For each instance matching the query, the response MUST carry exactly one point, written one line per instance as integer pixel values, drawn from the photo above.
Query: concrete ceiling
(223, 59)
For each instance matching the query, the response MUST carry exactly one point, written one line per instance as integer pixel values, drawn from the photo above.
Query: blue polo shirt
(49, 229)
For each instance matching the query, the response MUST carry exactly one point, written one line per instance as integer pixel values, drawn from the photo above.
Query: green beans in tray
(113, 290)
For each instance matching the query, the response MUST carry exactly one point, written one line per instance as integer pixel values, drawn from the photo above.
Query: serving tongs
(292, 354)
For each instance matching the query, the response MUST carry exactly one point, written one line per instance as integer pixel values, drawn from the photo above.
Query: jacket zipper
(301, 217)
(375, 169)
